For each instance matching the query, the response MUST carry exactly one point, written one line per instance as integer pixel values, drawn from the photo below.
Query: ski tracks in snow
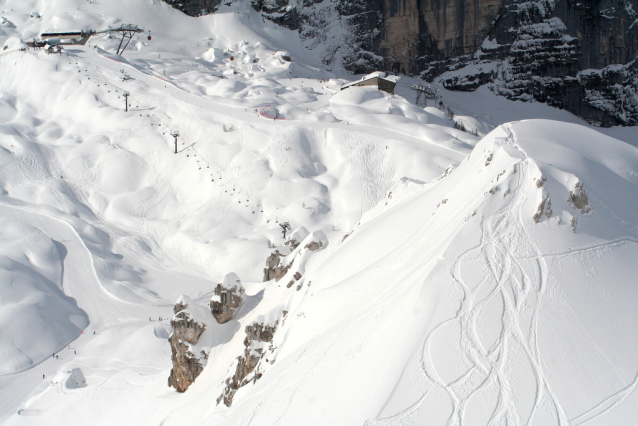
(368, 160)
(499, 377)
(512, 289)
(520, 289)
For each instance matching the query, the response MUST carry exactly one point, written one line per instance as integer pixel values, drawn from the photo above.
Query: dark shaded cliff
(194, 7)
(544, 50)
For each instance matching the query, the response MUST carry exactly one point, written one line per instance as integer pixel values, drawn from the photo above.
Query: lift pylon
(423, 94)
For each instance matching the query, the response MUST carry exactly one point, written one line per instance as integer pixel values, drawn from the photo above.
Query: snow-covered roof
(377, 74)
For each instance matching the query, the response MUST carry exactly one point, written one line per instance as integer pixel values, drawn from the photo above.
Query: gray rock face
(314, 245)
(578, 199)
(247, 365)
(259, 332)
(186, 365)
(185, 328)
(228, 296)
(534, 50)
(274, 269)
(195, 7)
(539, 49)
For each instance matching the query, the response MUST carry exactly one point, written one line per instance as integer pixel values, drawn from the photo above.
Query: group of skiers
(159, 319)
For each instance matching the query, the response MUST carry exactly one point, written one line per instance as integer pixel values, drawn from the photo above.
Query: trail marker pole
(175, 135)
(126, 95)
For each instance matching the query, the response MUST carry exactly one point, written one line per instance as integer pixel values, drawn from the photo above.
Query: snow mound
(13, 43)
(36, 317)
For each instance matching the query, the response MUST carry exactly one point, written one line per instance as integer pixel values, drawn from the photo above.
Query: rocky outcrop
(314, 245)
(187, 330)
(257, 343)
(227, 298)
(578, 199)
(274, 270)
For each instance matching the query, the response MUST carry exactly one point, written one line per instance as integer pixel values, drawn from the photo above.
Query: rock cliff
(258, 342)
(188, 362)
(576, 55)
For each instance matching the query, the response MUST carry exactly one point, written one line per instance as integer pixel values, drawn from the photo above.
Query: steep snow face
(460, 304)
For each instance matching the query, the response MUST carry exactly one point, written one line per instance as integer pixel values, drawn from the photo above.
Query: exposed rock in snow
(314, 245)
(229, 295)
(578, 199)
(188, 325)
(277, 265)
(545, 207)
(258, 335)
(274, 269)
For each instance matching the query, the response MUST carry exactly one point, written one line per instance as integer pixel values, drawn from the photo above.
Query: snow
(231, 280)
(33, 298)
(459, 279)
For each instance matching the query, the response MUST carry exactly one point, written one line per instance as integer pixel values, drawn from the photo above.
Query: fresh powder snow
(389, 268)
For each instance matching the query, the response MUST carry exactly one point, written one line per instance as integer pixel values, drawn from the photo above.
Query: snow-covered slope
(458, 303)
(438, 279)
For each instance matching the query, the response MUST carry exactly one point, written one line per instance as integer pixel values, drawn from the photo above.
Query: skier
(43, 376)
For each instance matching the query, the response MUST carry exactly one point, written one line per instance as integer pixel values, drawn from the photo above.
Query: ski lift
(149, 35)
